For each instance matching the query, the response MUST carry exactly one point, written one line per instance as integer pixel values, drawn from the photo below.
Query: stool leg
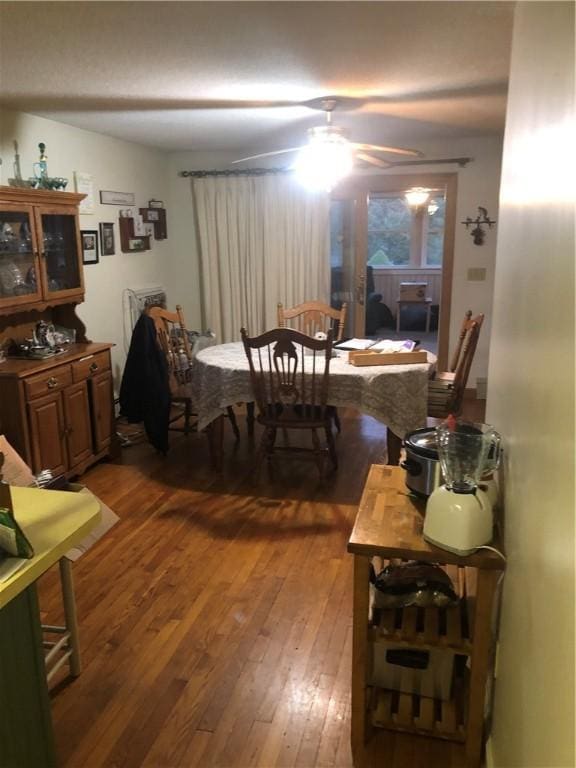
(70, 619)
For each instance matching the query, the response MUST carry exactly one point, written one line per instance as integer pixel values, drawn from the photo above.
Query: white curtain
(262, 239)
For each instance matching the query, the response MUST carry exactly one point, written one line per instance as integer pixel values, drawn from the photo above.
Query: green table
(54, 521)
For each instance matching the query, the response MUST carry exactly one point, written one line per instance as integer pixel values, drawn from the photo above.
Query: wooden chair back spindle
(314, 316)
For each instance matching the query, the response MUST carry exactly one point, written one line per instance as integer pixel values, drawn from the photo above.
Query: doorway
(392, 262)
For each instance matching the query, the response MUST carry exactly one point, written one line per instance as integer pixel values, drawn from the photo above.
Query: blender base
(441, 545)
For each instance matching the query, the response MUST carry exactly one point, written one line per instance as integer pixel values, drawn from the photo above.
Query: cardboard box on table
(16, 472)
(413, 291)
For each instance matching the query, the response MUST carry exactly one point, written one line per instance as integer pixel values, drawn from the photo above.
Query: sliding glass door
(379, 243)
(342, 259)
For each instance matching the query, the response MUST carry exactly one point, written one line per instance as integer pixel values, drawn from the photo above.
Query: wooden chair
(314, 316)
(289, 372)
(174, 340)
(446, 389)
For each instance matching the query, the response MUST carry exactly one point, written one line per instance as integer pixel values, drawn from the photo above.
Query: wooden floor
(216, 616)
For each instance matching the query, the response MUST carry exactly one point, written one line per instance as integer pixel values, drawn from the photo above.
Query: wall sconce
(480, 221)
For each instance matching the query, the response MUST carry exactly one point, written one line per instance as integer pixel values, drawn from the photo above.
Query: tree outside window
(401, 237)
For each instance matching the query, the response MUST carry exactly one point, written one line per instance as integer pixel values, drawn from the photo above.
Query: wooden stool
(68, 647)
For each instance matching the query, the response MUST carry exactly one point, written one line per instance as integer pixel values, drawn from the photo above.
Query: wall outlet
(481, 388)
(477, 274)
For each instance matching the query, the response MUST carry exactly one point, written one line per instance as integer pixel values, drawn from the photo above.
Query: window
(401, 237)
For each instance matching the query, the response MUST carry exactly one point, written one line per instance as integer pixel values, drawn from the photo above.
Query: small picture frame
(155, 204)
(138, 224)
(152, 215)
(89, 238)
(107, 245)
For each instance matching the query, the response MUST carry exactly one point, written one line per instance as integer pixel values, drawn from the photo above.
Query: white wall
(115, 165)
(531, 394)
(478, 184)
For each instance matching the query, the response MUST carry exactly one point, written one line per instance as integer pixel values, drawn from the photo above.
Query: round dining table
(395, 395)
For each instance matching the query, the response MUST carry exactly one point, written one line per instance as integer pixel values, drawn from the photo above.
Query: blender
(459, 513)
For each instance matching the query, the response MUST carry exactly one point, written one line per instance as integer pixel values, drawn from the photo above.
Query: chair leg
(337, 420)
(187, 415)
(250, 419)
(319, 455)
(232, 417)
(270, 440)
(331, 445)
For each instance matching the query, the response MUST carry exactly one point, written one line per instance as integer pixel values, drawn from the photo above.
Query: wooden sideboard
(58, 413)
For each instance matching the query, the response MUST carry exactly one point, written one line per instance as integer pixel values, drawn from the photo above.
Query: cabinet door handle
(93, 367)
(52, 382)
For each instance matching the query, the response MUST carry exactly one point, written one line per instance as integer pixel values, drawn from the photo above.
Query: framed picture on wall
(107, 245)
(89, 246)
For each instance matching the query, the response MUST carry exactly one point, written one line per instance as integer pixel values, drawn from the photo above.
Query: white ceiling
(137, 70)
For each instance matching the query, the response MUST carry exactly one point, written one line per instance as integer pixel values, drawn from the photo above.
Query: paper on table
(108, 519)
(389, 345)
(355, 344)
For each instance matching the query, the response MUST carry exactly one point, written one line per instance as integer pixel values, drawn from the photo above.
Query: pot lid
(423, 442)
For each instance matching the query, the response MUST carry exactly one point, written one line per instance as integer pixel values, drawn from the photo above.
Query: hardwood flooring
(215, 617)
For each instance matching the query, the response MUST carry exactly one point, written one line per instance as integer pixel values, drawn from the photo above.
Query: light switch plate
(477, 274)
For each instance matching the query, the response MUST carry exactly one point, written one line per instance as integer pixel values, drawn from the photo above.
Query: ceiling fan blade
(461, 161)
(394, 150)
(238, 104)
(267, 154)
(373, 160)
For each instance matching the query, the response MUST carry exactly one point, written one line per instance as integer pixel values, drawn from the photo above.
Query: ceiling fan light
(322, 164)
(417, 196)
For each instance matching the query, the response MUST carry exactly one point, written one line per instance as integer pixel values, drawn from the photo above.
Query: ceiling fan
(329, 155)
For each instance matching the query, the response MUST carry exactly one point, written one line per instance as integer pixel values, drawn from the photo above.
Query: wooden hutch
(58, 411)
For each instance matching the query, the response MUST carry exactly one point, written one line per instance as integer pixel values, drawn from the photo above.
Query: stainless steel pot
(423, 472)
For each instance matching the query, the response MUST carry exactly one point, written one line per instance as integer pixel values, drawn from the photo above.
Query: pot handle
(412, 467)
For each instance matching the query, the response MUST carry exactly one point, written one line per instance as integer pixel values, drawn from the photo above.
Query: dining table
(395, 395)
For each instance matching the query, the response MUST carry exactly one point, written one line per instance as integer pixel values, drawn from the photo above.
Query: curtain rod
(461, 161)
(234, 172)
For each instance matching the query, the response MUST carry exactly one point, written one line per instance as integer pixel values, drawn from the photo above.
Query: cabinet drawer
(49, 381)
(90, 366)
